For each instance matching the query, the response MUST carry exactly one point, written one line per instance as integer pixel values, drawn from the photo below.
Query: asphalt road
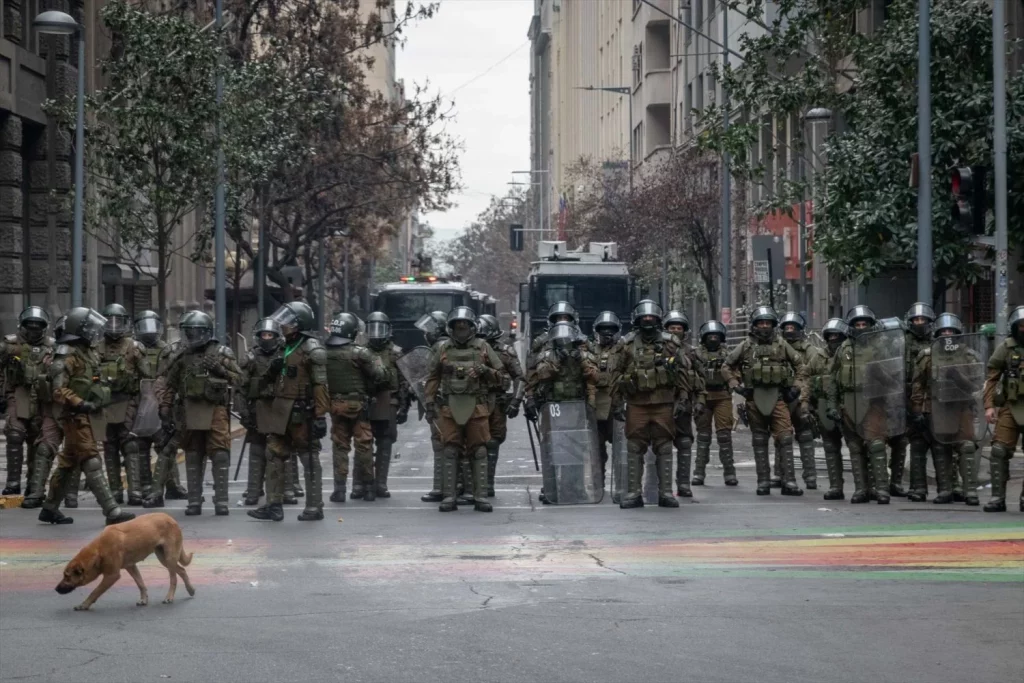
(730, 587)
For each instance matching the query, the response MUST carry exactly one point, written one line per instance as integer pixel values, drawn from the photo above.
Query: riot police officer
(1004, 407)
(301, 397)
(389, 407)
(462, 370)
(506, 405)
(770, 375)
(149, 332)
(202, 374)
(653, 379)
(25, 358)
(919, 320)
(711, 355)
(835, 332)
(434, 326)
(82, 399)
(258, 393)
(678, 324)
(123, 365)
(607, 355)
(560, 312)
(792, 326)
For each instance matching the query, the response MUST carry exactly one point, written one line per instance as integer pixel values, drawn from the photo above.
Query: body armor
(652, 375)
(1011, 389)
(86, 383)
(712, 362)
(26, 367)
(457, 363)
(118, 368)
(765, 365)
(256, 366)
(200, 384)
(344, 377)
(295, 381)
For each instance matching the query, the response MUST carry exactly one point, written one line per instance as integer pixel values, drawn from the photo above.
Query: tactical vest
(86, 383)
(295, 381)
(505, 353)
(344, 376)
(26, 364)
(456, 363)
(712, 362)
(569, 384)
(1011, 389)
(115, 369)
(913, 347)
(767, 366)
(153, 356)
(647, 376)
(198, 383)
(608, 359)
(257, 364)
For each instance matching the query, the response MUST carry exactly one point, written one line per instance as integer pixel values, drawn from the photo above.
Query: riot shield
(414, 365)
(878, 406)
(957, 387)
(570, 453)
(147, 416)
(620, 468)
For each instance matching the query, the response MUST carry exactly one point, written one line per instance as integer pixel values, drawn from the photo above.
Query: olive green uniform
(258, 394)
(608, 358)
(123, 364)
(390, 397)
(300, 391)
(767, 369)
(1004, 391)
(803, 421)
(719, 413)
(459, 381)
(167, 440)
(353, 373)
(654, 376)
(686, 406)
(512, 379)
(202, 378)
(918, 438)
(820, 379)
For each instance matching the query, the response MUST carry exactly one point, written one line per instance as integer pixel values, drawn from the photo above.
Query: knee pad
(805, 436)
(724, 436)
(130, 447)
(1000, 452)
(45, 450)
(876, 446)
(967, 448)
(684, 443)
(664, 448)
(15, 438)
(759, 438)
(91, 465)
(785, 440)
(493, 445)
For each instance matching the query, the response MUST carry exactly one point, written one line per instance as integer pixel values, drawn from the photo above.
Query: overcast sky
(464, 51)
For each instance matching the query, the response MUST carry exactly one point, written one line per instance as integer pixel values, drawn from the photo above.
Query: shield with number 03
(570, 454)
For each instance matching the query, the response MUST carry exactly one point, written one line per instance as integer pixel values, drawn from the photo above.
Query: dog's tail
(184, 559)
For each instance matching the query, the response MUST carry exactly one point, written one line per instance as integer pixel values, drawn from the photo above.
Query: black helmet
(433, 325)
(267, 335)
(763, 313)
(675, 317)
(58, 327)
(646, 309)
(119, 323)
(148, 328)
(462, 314)
(860, 313)
(563, 335)
(343, 329)
(948, 321)
(920, 310)
(83, 324)
(712, 327)
(606, 327)
(378, 329)
(793, 318)
(1013, 322)
(488, 327)
(295, 317)
(835, 332)
(560, 309)
(33, 322)
(197, 329)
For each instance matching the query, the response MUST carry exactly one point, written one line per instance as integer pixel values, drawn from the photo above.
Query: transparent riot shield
(147, 416)
(570, 453)
(878, 406)
(957, 387)
(414, 365)
(620, 468)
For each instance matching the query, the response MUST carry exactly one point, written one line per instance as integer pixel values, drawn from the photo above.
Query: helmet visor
(286, 318)
(427, 324)
(377, 330)
(117, 326)
(91, 329)
(148, 328)
(197, 336)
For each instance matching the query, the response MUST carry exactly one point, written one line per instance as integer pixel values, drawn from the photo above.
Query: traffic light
(515, 236)
(970, 199)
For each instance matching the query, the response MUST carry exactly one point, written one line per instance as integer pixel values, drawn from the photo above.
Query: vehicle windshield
(588, 295)
(410, 306)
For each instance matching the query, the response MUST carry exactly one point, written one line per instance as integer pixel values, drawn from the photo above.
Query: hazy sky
(459, 51)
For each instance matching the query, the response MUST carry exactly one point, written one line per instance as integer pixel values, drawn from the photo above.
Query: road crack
(602, 565)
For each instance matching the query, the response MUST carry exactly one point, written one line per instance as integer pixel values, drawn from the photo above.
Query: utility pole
(726, 184)
(999, 144)
(924, 153)
(220, 307)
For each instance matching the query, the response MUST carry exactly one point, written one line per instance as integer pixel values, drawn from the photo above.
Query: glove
(619, 414)
(790, 394)
(248, 420)
(513, 410)
(86, 407)
(681, 407)
(659, 361)
(275, 367)
(213, 365)
(832, 413)
(319, 427)
(530, 410)
(402, 416)
(744, 392)
(575, 353)
(430, 411)
(698, 409)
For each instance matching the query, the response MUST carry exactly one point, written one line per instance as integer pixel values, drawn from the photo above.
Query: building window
(638, 59)
(711, 8)
(698, 13)
(658, 45)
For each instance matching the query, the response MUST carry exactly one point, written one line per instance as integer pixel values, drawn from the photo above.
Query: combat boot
(43, 459)
(464, 482)
(271, 512)
(858, 466)
(434, 495)
(633, 497)
(700, 463)
(58, 485)
(942, 457)
(448, 477)
(492, 465)
(776, 476)
(175, 491)
(480, 472)
(898, 463)
(357, 490)
(296, 482)
(834, 466)
(381, 468)
(789, 485)
(54, 517)
(97, 483)
(338, 495)
(968, 473)
(71, 495)
(763, 467)
(257, 471)
(725, 456)
(15, 461)
(369, 490)
(918, 471)
(288, 496)
(194, 465)
(684, 446)
(133, 474)
(1000, 471)
(221, 471)
(808, 468)
(880, 467)
(313, 471)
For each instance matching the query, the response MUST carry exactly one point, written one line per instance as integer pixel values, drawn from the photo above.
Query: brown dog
(122, 546)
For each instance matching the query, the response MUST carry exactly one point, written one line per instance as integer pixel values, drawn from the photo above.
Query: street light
(814, 115)
(57, 23)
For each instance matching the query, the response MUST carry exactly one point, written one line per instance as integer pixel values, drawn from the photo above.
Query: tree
(809, 57)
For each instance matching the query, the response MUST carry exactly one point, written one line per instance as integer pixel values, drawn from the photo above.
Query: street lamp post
(813, 116)
(220, 297)
(62, 24)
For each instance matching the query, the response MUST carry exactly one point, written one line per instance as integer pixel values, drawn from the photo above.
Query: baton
(241, 454)
(533, 448)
